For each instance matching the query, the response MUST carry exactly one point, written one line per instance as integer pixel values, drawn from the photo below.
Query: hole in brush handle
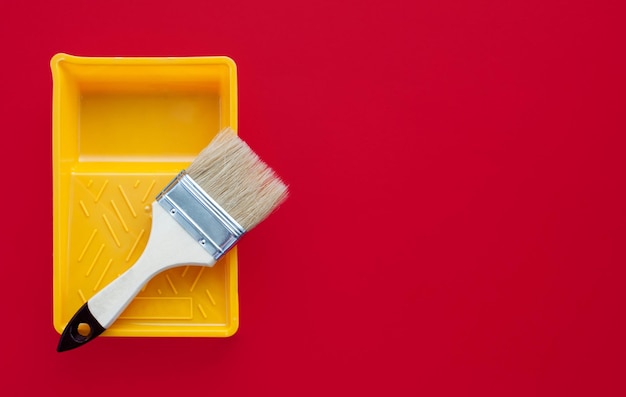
(82, 328)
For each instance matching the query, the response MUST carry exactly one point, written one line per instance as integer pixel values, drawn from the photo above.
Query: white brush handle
(169, 245)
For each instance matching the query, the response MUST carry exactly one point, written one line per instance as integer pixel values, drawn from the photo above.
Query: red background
(457, 218)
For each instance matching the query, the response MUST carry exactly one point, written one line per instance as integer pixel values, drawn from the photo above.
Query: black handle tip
(82, 328)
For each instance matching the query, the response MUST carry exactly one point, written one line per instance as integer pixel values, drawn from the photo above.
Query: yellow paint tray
(122, 129)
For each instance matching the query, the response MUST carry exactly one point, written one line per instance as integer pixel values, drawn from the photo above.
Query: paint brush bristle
(237, 179)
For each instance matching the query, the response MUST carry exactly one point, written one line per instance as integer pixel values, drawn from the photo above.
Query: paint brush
(202, 213)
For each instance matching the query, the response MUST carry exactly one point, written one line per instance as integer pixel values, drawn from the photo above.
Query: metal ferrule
(200, 215)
